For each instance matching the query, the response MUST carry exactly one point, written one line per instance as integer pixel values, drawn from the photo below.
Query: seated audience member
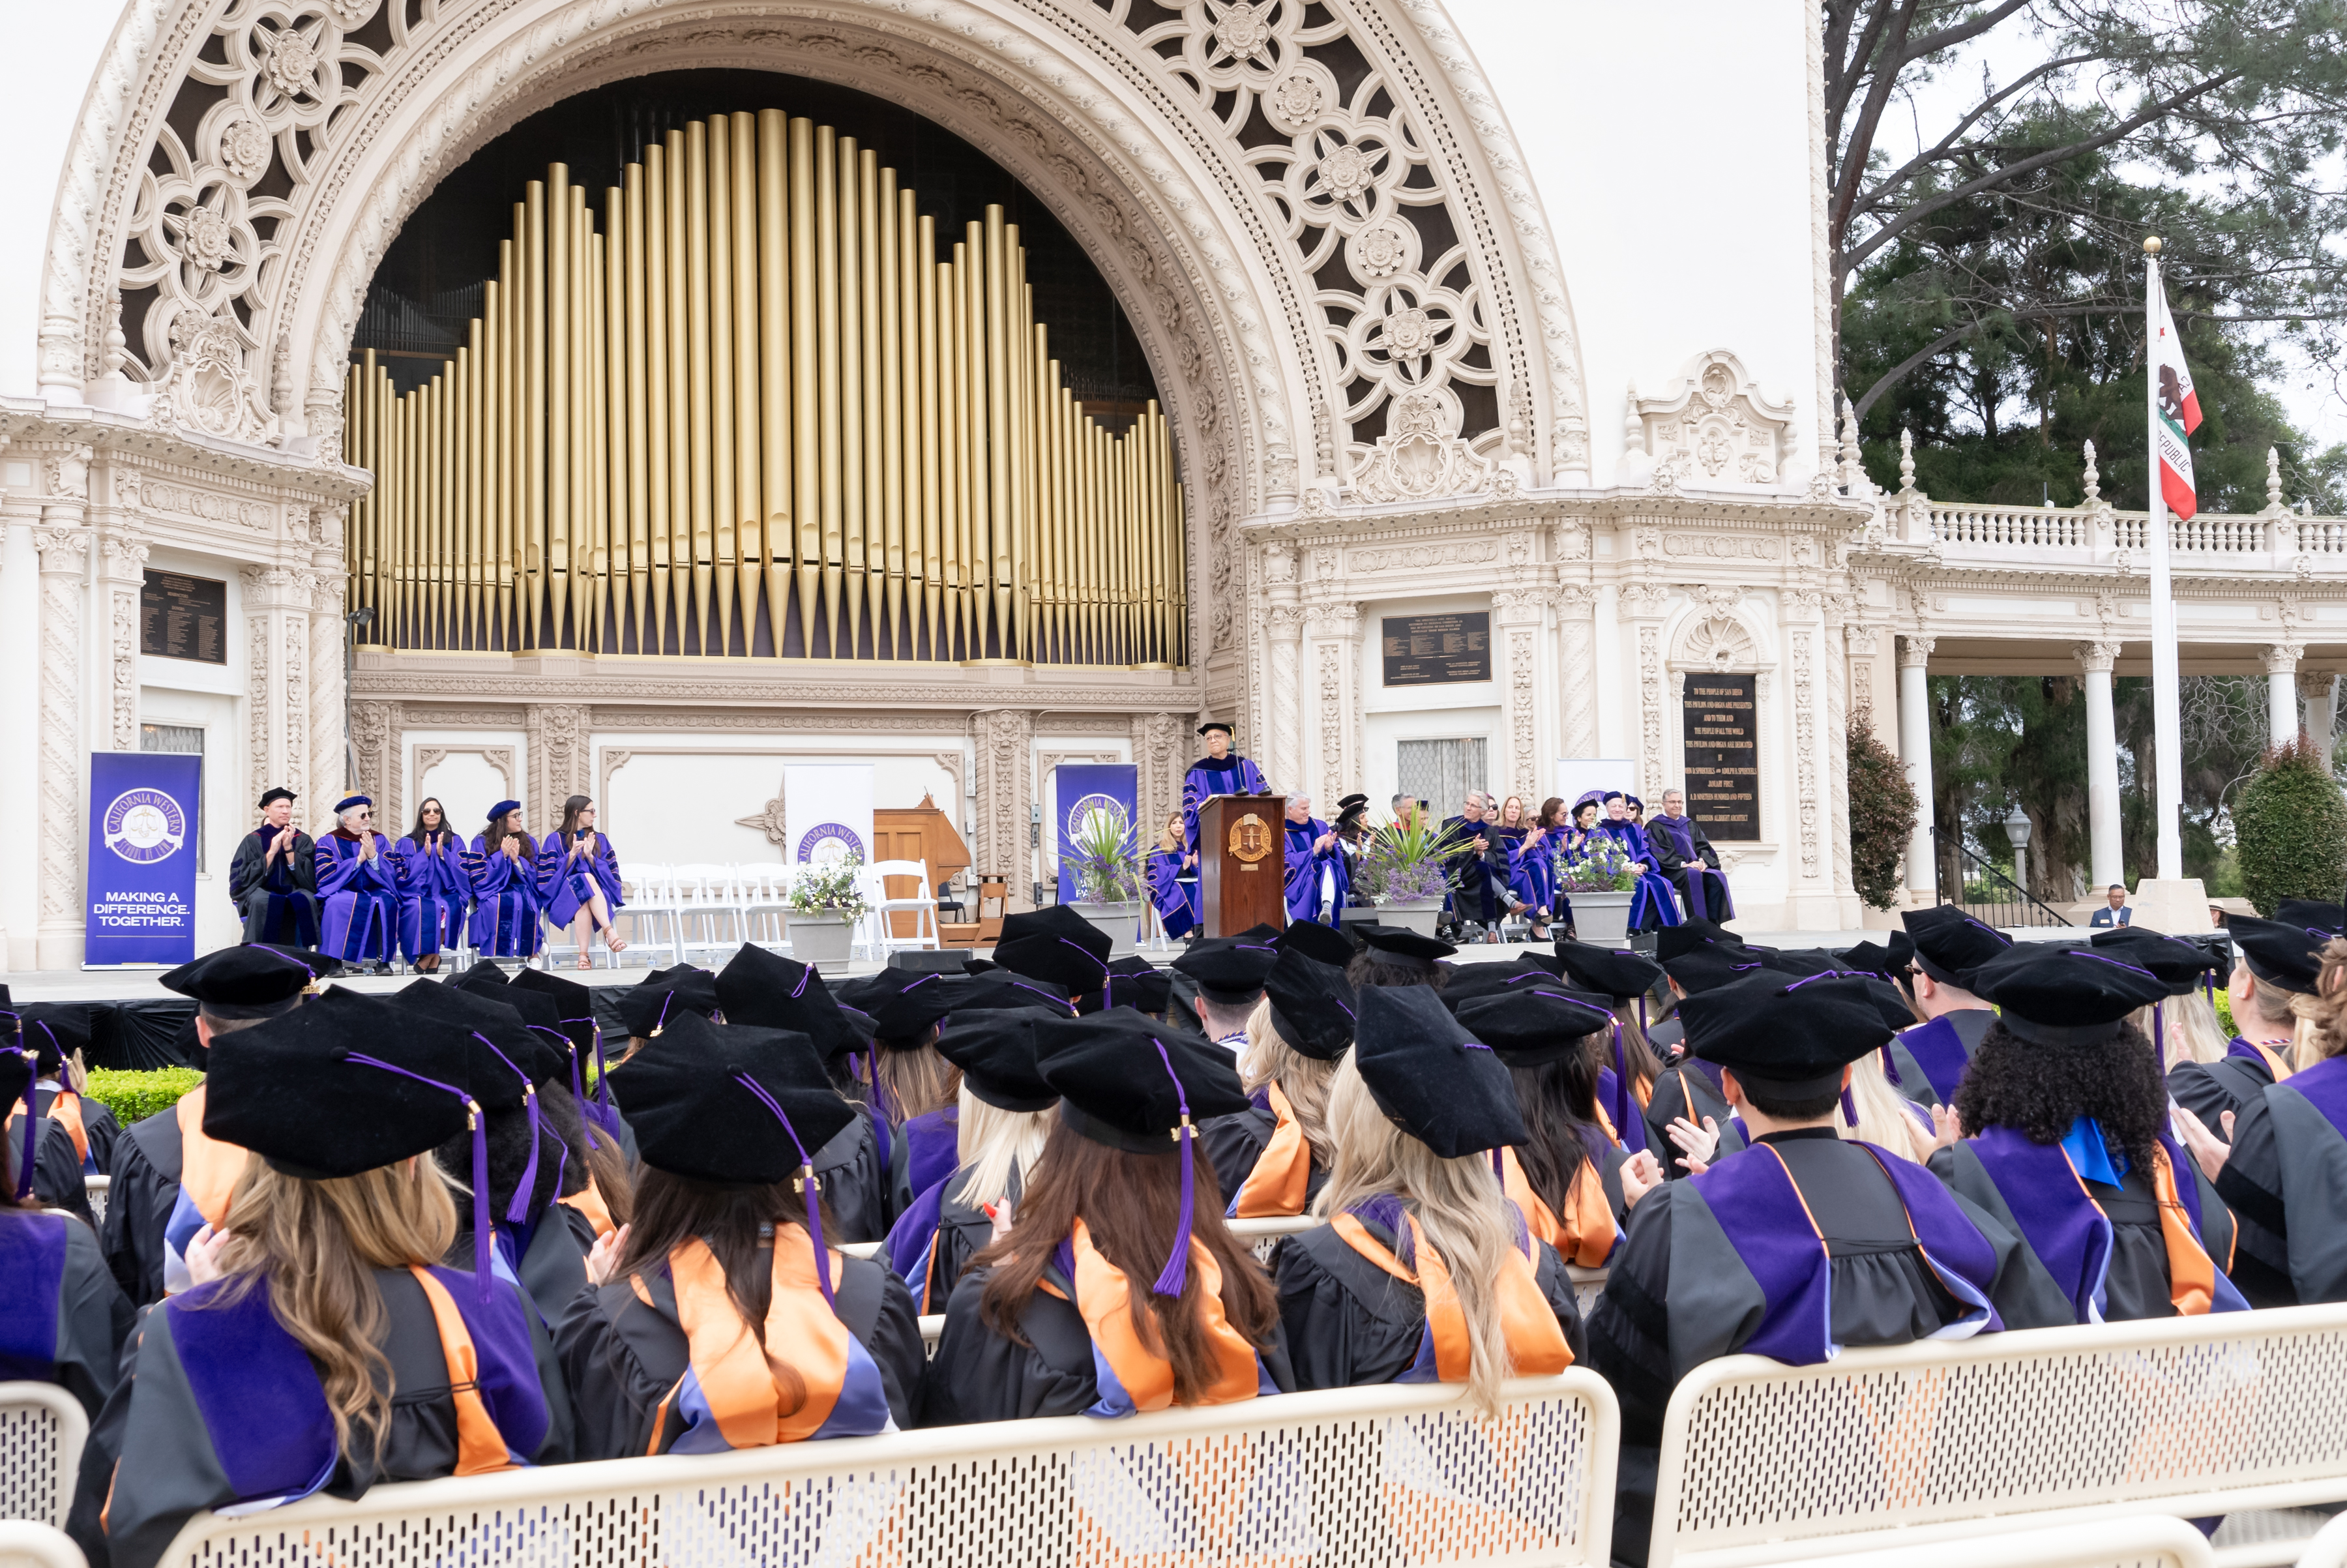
(66, 1317)
(323, 1346)
(1424, 1272)
(1949, 946)
(1274, 1154)
(56, 1033)
(1120, 1216)
(1229, 973)
(723, 1317)
(2277, 963)
(1397, 956)
(53, 1176)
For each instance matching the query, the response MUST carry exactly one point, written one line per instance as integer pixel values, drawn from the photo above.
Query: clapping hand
(1641, 1174)
(2209, 1151)
(1696, 1144)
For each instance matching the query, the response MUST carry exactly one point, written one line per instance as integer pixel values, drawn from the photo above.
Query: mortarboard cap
(1312, 1005)
(2061, 993)
(1533, 1028)
(1609, 971)
(248, 981)
(1949, 944)
(2289, 956)
(763, 989)
(1228, 971)
(1792, 1036)
(731, 1103)
(1431, 1076)
(651, 1002)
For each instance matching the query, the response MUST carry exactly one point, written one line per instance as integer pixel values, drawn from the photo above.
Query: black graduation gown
(553, 1267)
(980, 1375)
(1686, 1090)
(1971, 1025)
(963, 1231)
(1235, 1143)
(92, 1315)
(167, 1471)
(139, 1204)
(2210, 1089)
(1678, 1295)
(625, 1358)
(57, 1166)
(2136, 1284)
(1351, 1325)
(255, 885)
(97, 1123)
(2286, 1181)
(855, 1183)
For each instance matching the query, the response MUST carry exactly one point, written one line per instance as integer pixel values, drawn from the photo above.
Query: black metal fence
(1982, 890)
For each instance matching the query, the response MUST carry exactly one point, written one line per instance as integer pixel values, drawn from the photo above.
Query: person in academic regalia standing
(172, 1178)
(1319, 879)
(434, 890)
(2281, 1161)
(1742, 1258)
(728, 1284)
(503, 865)
(1683, 853)
(66, 1317)
(1424, 1271)
(1221, 771)
(358, 887)
(1042, 1324)
(1273, 1156)
(274, 877)
(1949, 946)
(1653, 904)
(578, 879)
(1174, 881)
(324, 1346)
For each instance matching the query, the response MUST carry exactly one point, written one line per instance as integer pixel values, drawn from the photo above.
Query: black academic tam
(1130, 1082)
(1431, 1076)
(729, 1102)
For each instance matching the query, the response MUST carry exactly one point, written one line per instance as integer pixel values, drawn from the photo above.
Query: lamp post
(2016, 831)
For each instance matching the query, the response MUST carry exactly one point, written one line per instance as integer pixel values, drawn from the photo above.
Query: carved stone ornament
(207, 389)
(1718, 641)
(1717, 430)
(1421, 458)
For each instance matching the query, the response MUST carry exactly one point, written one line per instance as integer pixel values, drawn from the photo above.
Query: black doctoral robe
(2210, 1089)
(1970, 1024)
(980, 1375)
(624, 1359)
(856, 1181)
(553, 1266)
(98, 1124)
(148, 1447)
(1351, 1325)
(1679, 1293)
(963, 1231)
(2286, 1181)
(139, 1204)
(1235, 1143)
(1686, 1090)
(57, 1166)
(289, 888)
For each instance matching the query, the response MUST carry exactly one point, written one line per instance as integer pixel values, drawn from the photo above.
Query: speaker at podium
(1241, 863)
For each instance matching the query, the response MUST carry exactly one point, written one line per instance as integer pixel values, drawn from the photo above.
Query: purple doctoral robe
(359, 898)
(1235, 774)
(433, 894)
(1652, 902)
(1177, 900)
(567, 883)
(505, 917)
(1304, 870)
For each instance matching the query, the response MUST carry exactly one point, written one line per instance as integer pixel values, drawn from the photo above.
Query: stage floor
(141, 985)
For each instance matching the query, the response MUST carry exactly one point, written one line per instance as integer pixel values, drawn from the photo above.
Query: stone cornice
(1529, 508)
(766, 682)
(28, 420)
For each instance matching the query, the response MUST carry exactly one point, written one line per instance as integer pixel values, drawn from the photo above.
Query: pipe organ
(753, 414)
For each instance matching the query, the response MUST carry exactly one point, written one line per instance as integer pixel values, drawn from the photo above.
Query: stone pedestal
(2176, 908)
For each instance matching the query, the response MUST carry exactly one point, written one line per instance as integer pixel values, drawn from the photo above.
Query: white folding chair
(765, 890)
(922, 907)
(709, 911)
(650, 904)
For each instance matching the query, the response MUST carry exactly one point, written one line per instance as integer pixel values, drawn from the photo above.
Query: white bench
(2157, 1541)
(23, 1545)
(1920, 1444)
(1353, 1476)
(98, 1189)
(42, 1429)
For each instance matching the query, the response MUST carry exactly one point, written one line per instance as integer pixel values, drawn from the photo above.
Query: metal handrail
(2012, 904)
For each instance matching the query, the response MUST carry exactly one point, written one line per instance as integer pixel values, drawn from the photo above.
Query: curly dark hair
(2040, 1090)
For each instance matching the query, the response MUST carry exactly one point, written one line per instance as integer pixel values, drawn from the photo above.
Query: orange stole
(480, 1446)
(1283, 1172)
(1585, 1234)
(1103, 1299)
(65, 1111)
(589, 1200)
(209, 1168)
(732, 1367)
(2276, 1063)
(1536, 1346)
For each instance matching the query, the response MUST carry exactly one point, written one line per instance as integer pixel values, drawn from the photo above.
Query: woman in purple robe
(358, 887)
(1176, 897)
(1651, 904)
(503, 865)
(578, 879)
(434, 890)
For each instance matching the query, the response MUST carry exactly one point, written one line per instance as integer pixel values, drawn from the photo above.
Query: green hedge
(2290, 825)
(135, 1096)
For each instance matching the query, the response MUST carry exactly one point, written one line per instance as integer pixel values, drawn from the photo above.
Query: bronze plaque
(183, 617)
(1719, 715)
(1436, 650)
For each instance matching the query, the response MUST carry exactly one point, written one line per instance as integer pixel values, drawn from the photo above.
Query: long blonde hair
(1171, 837)
(1304, 1080)
(991, 1142)
(2193, 1033)
(915, 1082)
(1883, 1117)
(1460, 1209)
(320, 1242)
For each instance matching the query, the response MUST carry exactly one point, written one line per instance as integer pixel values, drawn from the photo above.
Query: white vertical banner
(827, 809)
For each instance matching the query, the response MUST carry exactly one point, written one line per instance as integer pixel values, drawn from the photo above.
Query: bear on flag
(2179, 410)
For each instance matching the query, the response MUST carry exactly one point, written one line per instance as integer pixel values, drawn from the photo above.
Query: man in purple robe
(1317, 876)
(1683, 853)
(1799, 1245)
(1221, 771)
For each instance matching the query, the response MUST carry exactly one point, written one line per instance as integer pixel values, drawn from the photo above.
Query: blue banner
(1085, 789)
(142, 859)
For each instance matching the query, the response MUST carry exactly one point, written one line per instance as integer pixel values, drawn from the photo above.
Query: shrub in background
(135, 1096)
(1881, 814)
(2290, 826)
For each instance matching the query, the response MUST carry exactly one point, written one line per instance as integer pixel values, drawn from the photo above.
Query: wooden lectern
(1241, 863)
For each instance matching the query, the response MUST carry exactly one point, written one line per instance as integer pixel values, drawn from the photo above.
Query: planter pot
(823, 940)
(1418, 915)
(1601, 918)
(1121, 923)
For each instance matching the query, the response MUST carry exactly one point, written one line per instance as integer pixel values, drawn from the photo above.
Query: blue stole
(32, 1277)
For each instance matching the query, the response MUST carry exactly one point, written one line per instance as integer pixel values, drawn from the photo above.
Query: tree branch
(1890, 377)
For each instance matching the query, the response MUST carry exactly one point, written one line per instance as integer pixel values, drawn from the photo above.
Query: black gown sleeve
(1629, 1331)
(2250, 1181)
(980, 1375)
(2211, 1089)
(1344, 1332)
(138, 1206)
(56, 1174)
(962, 1234)
(1234, 1143)
(877, 1309)
(620, 1360)
(93, 1320)
(103, 1132)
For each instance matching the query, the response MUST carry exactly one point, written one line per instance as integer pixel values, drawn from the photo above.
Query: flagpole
(2167, 730)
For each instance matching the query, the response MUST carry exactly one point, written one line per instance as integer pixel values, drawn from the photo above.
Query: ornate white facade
(1445, 336)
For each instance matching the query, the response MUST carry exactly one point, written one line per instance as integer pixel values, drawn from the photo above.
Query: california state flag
(2179, 411)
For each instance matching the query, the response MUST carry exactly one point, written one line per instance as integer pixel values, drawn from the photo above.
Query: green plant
(2290, 825)
(1403, 862)
(135, 1096)
(830, 887)
(1107, 859)
(1601, 865)
(1881, 814)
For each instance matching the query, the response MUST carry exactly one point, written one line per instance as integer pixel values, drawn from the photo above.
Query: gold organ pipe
(749, 507)
(754, 387)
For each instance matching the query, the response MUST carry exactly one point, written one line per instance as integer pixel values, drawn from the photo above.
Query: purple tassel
(1176, 1273)
(1621, 1108)
(1891, 1065)
(808, 1185)
(1849, 1105)
(1500, 1167)
(1641, 1012)
(480, 1162)
(2159, 1030)
(518, 1209)
(32, 1129)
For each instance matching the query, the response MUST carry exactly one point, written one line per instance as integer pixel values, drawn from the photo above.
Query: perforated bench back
(42, 1429)
(1359, 1478)
(2187, 1416)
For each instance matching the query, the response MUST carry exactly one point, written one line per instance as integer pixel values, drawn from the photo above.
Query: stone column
(1807, 640)
(1281, 759)
(328, 768)
(374, 748)
(121, 572)
(63, 544)
(1576, 669)
(1006, 795)
(2281, 692)
(1644, 605)
(1915, 751)
(1516, 617)
(2105, 856)
(1158, 759)
(2320, 687)
(1335, 630)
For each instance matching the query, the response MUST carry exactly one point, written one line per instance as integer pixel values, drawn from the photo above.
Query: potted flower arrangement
(1597, 878)
(1110, 870)
(1403, 872)
(827, 900)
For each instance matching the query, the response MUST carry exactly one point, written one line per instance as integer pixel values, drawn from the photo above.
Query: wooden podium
(1241, 863)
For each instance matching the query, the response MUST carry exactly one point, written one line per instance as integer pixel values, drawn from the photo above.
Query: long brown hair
(2322, 1016)
(916, 1082)
(570, 810)
(1131, 1203)
(320, 1242)
(493, 842)
(1551, 814)
(424, 837)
